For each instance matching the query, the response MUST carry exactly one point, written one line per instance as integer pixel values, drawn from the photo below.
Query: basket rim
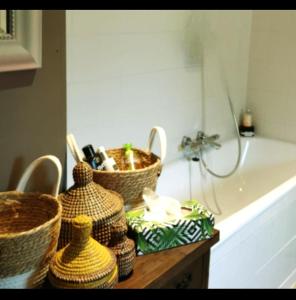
(158, 161)
(35, 229)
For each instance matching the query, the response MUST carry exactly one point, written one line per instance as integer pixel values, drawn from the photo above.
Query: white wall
(224, 37)
(130, 70)
(272, 74)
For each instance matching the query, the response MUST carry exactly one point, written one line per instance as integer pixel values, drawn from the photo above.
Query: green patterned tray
(196, 224)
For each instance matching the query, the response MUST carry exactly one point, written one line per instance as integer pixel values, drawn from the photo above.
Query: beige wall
(272, 74)
(33, 109)
(130, 70)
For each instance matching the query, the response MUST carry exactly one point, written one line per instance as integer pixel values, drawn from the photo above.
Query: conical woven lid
(83, 259)
(88, 198)
(118, 231)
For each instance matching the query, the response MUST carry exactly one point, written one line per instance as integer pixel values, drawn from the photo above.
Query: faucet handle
(185, 142)
(214, 144)
(200, 135)
(214, 136)
(210, 140)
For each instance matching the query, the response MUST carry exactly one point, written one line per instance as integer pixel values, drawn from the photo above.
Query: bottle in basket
(131, 159)
(108, 163)
(91, 157)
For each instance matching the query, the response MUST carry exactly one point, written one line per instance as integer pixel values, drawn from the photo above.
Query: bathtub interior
(265, 164)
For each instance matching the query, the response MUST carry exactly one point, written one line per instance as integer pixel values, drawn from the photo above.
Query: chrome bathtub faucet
(192, 147)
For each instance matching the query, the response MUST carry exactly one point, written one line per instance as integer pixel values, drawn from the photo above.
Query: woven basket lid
(118, 231)
(88, 198)
(83, 259)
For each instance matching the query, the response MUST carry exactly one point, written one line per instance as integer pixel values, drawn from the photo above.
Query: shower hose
(218, 210)
(239, 148)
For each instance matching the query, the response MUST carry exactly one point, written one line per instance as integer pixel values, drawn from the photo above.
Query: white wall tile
(273, 20)
(155, 20)
(130, 70)
(93, 59)
(95, 22)
(271, 80)
(150, 52)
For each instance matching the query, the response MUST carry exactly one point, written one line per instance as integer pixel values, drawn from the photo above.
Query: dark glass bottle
(91, 156)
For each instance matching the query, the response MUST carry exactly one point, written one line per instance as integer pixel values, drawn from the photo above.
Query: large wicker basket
(130, 184)
(29, 230)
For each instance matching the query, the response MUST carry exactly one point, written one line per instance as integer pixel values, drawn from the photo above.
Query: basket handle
(162, 139)
(71, 141)
(30, 169)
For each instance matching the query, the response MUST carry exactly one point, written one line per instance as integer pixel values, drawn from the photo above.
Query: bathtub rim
(236, 221)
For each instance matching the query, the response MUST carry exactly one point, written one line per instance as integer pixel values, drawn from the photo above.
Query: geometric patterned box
(196, 224)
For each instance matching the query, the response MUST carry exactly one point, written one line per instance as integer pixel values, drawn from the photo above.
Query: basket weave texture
(88, 198)
(83, 263)
(123, 248)
(29, 229)
(130, 184)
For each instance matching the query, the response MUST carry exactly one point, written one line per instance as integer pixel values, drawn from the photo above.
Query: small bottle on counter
(108, 163)
(91, 157)
(247, 118)
(247, 128)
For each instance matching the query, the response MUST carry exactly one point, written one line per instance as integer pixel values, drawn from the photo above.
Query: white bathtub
(257, 247)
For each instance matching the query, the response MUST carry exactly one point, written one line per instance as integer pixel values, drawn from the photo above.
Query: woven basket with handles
(29, 230)
(130, 184)
(88, 198)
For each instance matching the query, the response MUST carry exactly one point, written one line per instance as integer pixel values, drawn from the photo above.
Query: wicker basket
(88, 198)
(130, 184)
(123, 248)
(83, 263)
(29, 230)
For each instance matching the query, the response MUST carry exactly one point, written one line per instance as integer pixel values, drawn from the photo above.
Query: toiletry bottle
(91, 157)
(247, 129)
(247, 118)
(131, 160)
(108, 163)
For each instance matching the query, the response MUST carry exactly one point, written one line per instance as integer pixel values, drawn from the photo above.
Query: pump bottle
(108, 163)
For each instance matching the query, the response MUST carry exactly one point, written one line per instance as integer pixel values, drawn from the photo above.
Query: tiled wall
(225, 36)
(130, 70)
(272, 74)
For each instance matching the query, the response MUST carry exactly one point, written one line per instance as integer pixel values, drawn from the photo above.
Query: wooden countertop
(155, 267)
